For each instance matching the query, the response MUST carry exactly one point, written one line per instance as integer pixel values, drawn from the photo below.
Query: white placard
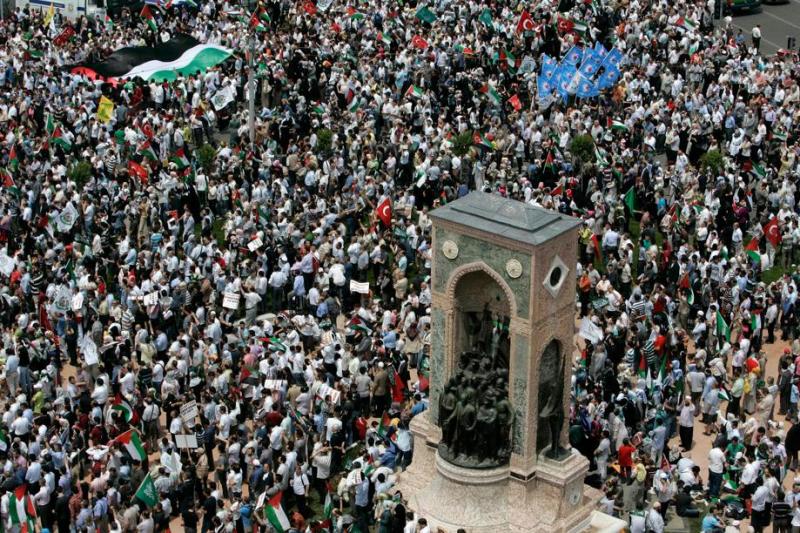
(7, 265)
(359, 287)
(255, 244)
(274, 384)
(151, 299)
(77, 302)
(189, 411)
(325, 391)
(230, 300)
(186, 441)
(89, 350)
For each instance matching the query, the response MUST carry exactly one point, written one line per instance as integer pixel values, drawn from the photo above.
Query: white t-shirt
(716, 461)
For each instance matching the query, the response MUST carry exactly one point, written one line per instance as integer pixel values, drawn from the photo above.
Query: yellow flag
(104, 110)
(51, 12)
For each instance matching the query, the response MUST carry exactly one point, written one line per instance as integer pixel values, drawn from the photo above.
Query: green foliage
(582, 147)
(324, 140)
(205, 157)
(80, 172)
(462, 143)
(713, 161)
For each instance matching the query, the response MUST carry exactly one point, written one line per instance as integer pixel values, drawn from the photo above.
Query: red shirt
(625, 455)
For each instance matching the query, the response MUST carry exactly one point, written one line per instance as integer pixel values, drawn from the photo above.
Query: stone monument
(492, 454)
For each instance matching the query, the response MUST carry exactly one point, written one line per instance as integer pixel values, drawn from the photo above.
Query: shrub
(324, 140)
(206, 155)
(712, 161)
(80, 173)
(582, 147)
(462, 143)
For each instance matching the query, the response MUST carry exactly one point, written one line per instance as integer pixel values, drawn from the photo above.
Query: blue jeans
(714, 484)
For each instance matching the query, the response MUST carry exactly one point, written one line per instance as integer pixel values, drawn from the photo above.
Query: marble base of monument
(494, 500)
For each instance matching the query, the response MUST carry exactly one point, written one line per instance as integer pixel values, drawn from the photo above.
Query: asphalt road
(777, 23)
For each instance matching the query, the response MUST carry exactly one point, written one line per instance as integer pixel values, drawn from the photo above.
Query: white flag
(590, 331)
(66, 218)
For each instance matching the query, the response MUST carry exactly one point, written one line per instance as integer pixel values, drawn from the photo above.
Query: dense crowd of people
(204, 331)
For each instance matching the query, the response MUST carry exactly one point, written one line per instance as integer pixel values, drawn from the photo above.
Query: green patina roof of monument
(511, 219)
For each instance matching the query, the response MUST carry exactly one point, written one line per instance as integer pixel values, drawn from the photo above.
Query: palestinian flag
(566, 25)
(685, 25)
(3, 441)
(21, 509)
(779, 136)
(492, 93)
(723, 329)
(147, 16)
(133, 444)
(722, 394)
(109, 24)
(121, 406)
(327, 510)
(180, 159)
(481, 140)
(617, 125)
(180, 56)
(415, 92)
(385, 39)
(759, 171)
(275, 514)
(59, 140)
(354, 15)
(355, 105)
(275, 345)
(255, 22)
(146, 150)
(13, 158)
(752, 251)
(550, 163)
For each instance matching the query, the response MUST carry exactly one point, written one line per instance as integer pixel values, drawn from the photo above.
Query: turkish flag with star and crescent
(773, 232)
(525, 22)
(384, 212)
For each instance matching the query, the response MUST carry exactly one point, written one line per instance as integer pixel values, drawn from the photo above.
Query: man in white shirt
(716, 467)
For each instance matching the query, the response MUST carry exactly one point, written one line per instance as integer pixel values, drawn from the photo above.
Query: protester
(208, 324)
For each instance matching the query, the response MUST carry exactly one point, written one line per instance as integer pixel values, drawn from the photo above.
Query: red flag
(135, 169)
(310, 8)
(558, 191)
(525, 22)
(384, 212)
(147, 129)
(335, 28)
(684, 283)
(565, 25)
(419, 42)
(752, 245)
(773, 232)
(398, 388)
(515, 103)
(598, 252)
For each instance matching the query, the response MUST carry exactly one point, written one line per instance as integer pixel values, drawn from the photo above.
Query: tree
(712, 161)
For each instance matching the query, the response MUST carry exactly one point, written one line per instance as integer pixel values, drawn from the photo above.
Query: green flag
(723, 329)
(146, 492)
(426, 15)
(486, 18)
(630, 200)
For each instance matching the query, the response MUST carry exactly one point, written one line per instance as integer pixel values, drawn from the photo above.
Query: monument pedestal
(501, 284)
(552, 498)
